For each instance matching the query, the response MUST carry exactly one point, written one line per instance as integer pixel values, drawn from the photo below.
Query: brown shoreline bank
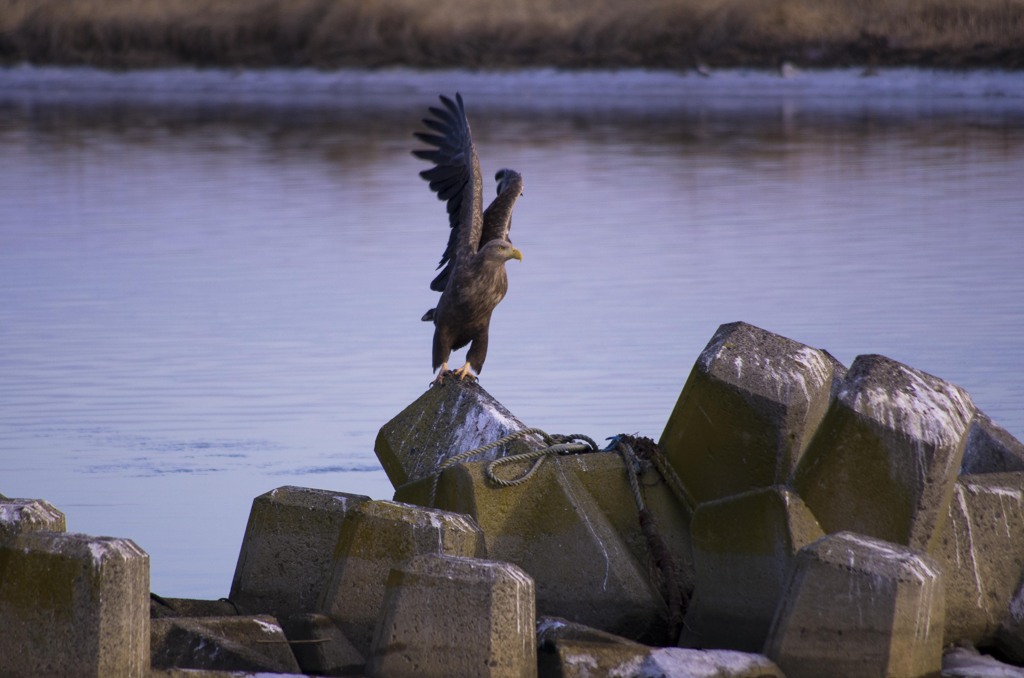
(477, 34)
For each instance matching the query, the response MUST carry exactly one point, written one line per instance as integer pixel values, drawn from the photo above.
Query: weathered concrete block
(886, 456)
(28, 515)
(742, 550)
(321, 648)
(991, 449)
(574, 528)
(451, 616)
(982, 554)
(747, 411)
(251, 643)
(285, 559)
(375, 537)
(443, 423)
(71, 604)
(857, 606)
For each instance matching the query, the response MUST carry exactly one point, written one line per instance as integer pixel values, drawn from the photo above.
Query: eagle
(473, 280)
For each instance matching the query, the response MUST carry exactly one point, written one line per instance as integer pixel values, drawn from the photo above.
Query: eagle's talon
(439, 379)
(463, 372)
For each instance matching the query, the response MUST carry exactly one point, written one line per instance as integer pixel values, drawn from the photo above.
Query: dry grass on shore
(485, 33)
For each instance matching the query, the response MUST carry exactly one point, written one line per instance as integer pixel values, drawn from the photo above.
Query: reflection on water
(204, 301)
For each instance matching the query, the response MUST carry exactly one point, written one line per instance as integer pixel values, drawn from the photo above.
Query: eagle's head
(502, 251)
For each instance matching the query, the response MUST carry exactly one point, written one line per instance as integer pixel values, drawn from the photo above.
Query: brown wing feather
(455, 178)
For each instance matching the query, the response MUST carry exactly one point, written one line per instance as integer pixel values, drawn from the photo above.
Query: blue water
(211, 282)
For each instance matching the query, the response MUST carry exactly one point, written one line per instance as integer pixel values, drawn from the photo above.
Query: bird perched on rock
(473, 280)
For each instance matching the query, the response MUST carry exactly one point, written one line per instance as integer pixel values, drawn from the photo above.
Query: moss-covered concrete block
(574, 527)
(743, 547)
(285, 559)
(982, 554)
(442, 423)
(747, 411)
(887, 453)
(375, 537)
(991, 449)
(453, 616)
(237, 643)
(856, 606)
(321, 648)
(28, 515)
(72, 604)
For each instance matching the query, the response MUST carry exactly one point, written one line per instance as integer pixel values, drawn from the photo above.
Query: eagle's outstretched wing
(456, 179)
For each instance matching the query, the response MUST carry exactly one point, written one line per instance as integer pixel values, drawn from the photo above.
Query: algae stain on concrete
(47, 583)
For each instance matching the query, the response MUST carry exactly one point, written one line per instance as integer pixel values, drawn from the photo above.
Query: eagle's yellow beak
(516, 254)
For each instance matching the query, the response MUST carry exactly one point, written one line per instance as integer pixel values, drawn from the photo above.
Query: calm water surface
(211, 283)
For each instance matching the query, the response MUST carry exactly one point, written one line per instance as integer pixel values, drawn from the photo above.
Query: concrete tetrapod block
(742, 550)
(982, 554)
(285, 559)
(574, 527)
(856, 606)
(991, 449)
(451, 616)
(375, 537)
(249, 643)
(886, 456)
(443, 423)
(28, 515)
(73, 605)
(747, 411)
